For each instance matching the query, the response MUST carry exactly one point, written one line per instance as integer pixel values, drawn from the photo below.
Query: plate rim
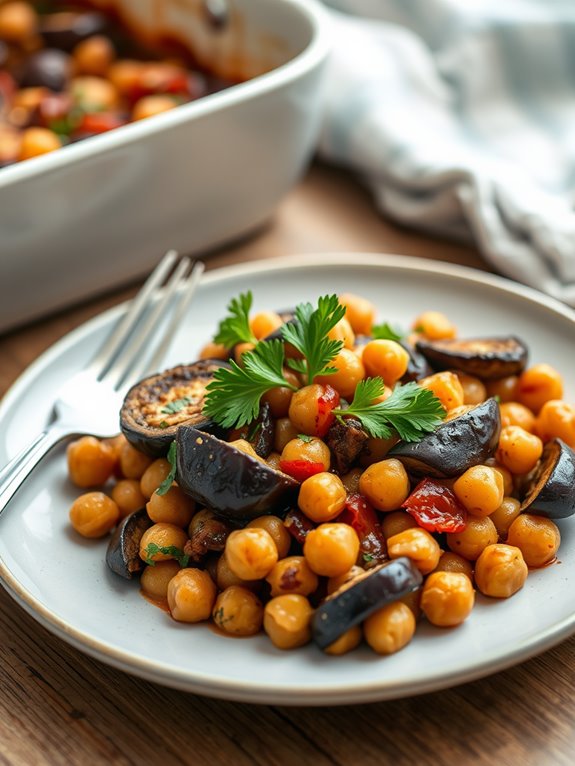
(254, 692)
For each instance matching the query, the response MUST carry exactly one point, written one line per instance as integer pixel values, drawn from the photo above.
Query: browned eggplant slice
(123, 554)
(551, 492)
(455, 446)
(486, 358)
(354, 602)
(232, 483)
(157, 406)
(260, 434)
(346, 440)
(417, 367)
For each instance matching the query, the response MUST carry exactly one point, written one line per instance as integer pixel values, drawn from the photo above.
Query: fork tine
(106, 355)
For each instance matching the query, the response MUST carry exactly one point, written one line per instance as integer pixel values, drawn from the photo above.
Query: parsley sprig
(168, 550)
(386, 331)
(235, 328)
(411, 410)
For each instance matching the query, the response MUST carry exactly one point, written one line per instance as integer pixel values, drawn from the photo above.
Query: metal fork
(89, 402)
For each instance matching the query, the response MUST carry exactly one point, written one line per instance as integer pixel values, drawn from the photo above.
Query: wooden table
(59, 707)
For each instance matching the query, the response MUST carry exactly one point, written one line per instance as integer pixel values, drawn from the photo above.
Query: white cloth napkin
(460, 116)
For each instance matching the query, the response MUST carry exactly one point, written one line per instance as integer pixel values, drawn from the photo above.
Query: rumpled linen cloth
(460, 117)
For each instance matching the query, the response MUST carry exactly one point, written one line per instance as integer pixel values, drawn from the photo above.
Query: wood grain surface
(58, 706)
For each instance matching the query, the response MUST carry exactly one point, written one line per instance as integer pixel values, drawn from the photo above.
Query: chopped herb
(219, 616)
(169, 480)
(368, 558)
(168, 550)
(385, 331)
(176, 406)
(497, 398)
(305, 438)
(254, 429)
(163, 424)
(420, 329)
(236, 327)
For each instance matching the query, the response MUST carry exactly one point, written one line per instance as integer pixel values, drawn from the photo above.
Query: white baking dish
(99, 213)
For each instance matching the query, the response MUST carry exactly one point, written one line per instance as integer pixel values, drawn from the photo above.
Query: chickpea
(480, 489)
(447, 598)
(225, 577)
(94, 93)
(285, 432)
(396, 522)
(127, 496)
(375, 450)
(335, 583)
(90, 462)
(125, 75)
(150, 106)
(539, 384)
(322, 497)
(279, 398)
(162, 535)
(331, 549)
(506, 475)
(251, 553)
(264, 323)
(477, 535)
(37, 141)
(287, 621)
(94, 55)
(240, 349)
(346, 642)
(385, 484)
(238, 611)
(389, 629)
(155, 579)
(277, 531)
(274, 460)
(504, 388)
(536, 537)
(247, 448)
(500, 571)
(313, 451)
(350, 481)
(386, 359)
(418, 545)
(342, 331)
(359, 312)
(191, 595)
(446, 387)
(132, 462)
(556, 419)
(18, 22)
(453, 562)
(292, 575)
(214, 351)
(153, 476)
(305, 411)
(94, 514)
(518, 450)
(10, 140)
(172, 508)
(515, 414)
(474, 391)
(503, 517)
(350, 372)
(434, 325)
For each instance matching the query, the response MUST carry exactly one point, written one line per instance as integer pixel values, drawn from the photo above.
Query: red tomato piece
(298, 525)
(99, 122)
(436, 508)
(326, 403)
(301, 469)
(362, 518)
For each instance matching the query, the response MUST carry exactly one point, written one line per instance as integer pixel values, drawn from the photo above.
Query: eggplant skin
(485, 358)
(230, 482)
(354, 603)
(123, 554)
(143, 406)
(551, 492)
(455, 445)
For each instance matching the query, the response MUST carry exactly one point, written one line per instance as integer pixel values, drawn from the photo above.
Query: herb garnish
(168, 550)
(386, 331)
(236, 327)
(169, 480)
(305, 438)
(177, 405)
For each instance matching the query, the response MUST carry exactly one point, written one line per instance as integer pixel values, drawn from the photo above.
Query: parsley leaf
(305, 438)
(177, 405)
(236, 327)
(168, 550)
(233, 397)
(411, 410)
(386, 331)
(169, 480)
(309, 336)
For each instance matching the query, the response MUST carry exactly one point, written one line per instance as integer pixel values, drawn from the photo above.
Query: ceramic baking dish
(99, 213)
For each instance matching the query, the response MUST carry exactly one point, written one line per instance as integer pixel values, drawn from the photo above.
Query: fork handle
(18, 469)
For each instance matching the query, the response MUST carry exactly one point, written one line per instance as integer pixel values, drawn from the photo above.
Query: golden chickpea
(396, 522)
(127, 496)
(125, 75)
(503, 516)
(385, 359)
(453, 562)
(385, 484)
(359, 312)
(279, 398)
(515, 414)
(474, 391)
(132, 462)
(446, 387)
(94, 93)
(322, 497)
(150, 106)
(313, 451)
(287, 621)
(504, 388)
(335, 583)
(480, 489)
(10, 140)
(331, 549)
(447, 598)
(518, 450)
(264, 323)
(240, 349)
(225, 577)
(162, 535)
(350, 372)
(500, 571)
(94, 514)
(477, 535)
(556, 419)
(506, 475)
(304, 409)
(277, 531)
(537, 538)
(539, 384)
(191, 595)
(153, 476)
(285, 432)
(292, 575)
(155, 579)
(238, 611)
(347, 642)
(342, 331)
(172, 508)
(375, 450)
(214, 351)
(37, 141)
(389, 629)
(18, 22)
(350, 481)
(90, 462)
(418, 545)
(273, 460)
(94, 55)
(434, 325)
(251, 553)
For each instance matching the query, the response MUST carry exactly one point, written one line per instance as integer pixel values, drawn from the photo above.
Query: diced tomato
(298, 525)
(99, 122)
(436, 508)
(326, 403)
(7, 88)
(362, 518)
(301, 469)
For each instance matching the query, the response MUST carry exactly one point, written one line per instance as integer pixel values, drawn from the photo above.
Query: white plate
(63, 581)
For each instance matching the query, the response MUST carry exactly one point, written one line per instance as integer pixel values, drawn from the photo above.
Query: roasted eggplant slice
(157, 406)
(260, 434)
(486, 358)
(232, 483)
(346, 440)
(455, 446)
(551, 492)
(355, 601)
(123, 554)
(417, 367)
